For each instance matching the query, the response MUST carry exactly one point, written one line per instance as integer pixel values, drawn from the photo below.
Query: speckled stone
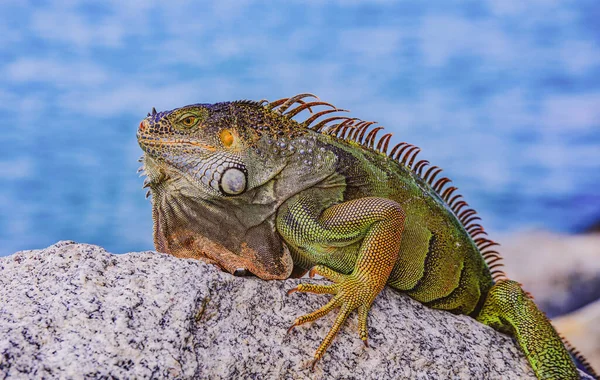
(75, 310)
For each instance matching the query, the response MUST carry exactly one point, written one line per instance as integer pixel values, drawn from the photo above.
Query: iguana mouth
(157, 142)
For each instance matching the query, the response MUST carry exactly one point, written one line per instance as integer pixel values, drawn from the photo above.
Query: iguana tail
(509, 309)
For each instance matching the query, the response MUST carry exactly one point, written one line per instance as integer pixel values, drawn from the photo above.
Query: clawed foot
(350, 292)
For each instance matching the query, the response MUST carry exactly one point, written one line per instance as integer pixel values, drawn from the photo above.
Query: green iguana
(245, 186)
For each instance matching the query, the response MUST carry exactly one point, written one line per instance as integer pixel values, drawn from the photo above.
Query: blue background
(505, 95)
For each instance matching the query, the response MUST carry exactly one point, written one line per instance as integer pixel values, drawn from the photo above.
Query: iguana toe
(328, 273)
(313, 288)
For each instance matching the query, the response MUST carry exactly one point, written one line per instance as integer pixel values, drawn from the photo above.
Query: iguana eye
(189, 121)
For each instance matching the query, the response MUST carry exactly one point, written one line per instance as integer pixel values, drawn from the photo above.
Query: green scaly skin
(244, 186)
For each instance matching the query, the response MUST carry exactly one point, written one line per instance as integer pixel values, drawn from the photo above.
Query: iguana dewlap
(245, 186)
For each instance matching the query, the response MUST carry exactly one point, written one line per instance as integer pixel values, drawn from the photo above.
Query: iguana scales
(246, 186)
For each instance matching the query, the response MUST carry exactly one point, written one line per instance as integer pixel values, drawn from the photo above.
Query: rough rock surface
(74, 310)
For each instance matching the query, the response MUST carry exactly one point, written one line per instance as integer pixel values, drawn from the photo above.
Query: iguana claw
(292, 291)
(313, 364)
(290, 329)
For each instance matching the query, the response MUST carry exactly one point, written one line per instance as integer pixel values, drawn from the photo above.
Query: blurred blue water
(505, 96)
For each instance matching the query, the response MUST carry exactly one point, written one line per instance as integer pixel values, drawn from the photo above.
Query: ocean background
(505, 95)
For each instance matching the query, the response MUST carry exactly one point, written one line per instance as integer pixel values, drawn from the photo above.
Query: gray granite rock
(75, 311)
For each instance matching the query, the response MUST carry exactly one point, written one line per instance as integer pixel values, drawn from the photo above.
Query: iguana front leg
(373, 225)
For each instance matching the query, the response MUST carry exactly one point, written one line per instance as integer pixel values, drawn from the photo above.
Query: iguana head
(218, 173)
(212, 146)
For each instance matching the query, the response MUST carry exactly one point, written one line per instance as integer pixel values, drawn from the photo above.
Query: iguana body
(244, 185)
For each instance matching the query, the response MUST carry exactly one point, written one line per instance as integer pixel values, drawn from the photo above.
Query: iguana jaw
(217, 173)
